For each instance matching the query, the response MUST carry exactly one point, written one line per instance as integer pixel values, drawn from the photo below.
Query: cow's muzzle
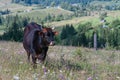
(52, 43)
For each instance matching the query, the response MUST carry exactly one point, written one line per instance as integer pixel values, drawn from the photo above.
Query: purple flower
(61, 77)
(90, 78)
(45, 70)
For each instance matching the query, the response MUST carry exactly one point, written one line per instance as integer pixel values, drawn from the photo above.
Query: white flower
(43, 67)
(118, 77)
(20, 62)
(61, 71)
(48, 71)
(16, 77)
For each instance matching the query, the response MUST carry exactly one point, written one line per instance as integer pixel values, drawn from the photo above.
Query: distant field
(62, 63)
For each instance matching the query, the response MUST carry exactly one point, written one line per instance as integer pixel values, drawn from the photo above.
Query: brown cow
(36, 41)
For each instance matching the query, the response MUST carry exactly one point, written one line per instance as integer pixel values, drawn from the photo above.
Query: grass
(62, 63)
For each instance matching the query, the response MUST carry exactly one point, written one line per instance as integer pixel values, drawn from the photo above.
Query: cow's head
(48, 35)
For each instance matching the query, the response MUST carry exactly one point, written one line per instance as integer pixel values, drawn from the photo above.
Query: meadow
(62, 63)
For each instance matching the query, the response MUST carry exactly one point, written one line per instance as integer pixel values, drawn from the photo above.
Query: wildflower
(118, 77)
(48, 71)
(61, 77)
(35, 76)
(90, 78)
(16, 77)
(61, 71)
(20, 62)
(30, 69)
(44, 69)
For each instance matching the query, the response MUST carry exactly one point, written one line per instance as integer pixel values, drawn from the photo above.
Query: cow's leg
(43, 55)
(34, 61)
(28, 54)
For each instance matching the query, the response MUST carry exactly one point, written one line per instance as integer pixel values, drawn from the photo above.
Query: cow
(36, 41)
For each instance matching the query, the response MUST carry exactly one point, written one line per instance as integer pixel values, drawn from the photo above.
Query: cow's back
(31, 26)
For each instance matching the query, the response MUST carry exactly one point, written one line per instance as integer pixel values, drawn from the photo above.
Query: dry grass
(62, 63)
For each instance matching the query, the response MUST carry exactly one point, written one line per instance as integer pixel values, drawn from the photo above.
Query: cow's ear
(55, 33)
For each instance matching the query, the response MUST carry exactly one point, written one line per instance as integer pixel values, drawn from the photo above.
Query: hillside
(42, 13)
(33, 11)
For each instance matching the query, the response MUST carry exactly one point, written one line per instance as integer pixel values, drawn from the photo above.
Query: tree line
(48, 2)
(107, 37)
(56, 2)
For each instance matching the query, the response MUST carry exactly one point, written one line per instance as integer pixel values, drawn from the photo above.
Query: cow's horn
(53, 28)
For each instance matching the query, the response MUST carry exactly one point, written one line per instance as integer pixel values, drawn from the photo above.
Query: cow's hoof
(35, 66)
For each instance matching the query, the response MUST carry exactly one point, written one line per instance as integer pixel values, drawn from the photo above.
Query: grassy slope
(62, 63)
